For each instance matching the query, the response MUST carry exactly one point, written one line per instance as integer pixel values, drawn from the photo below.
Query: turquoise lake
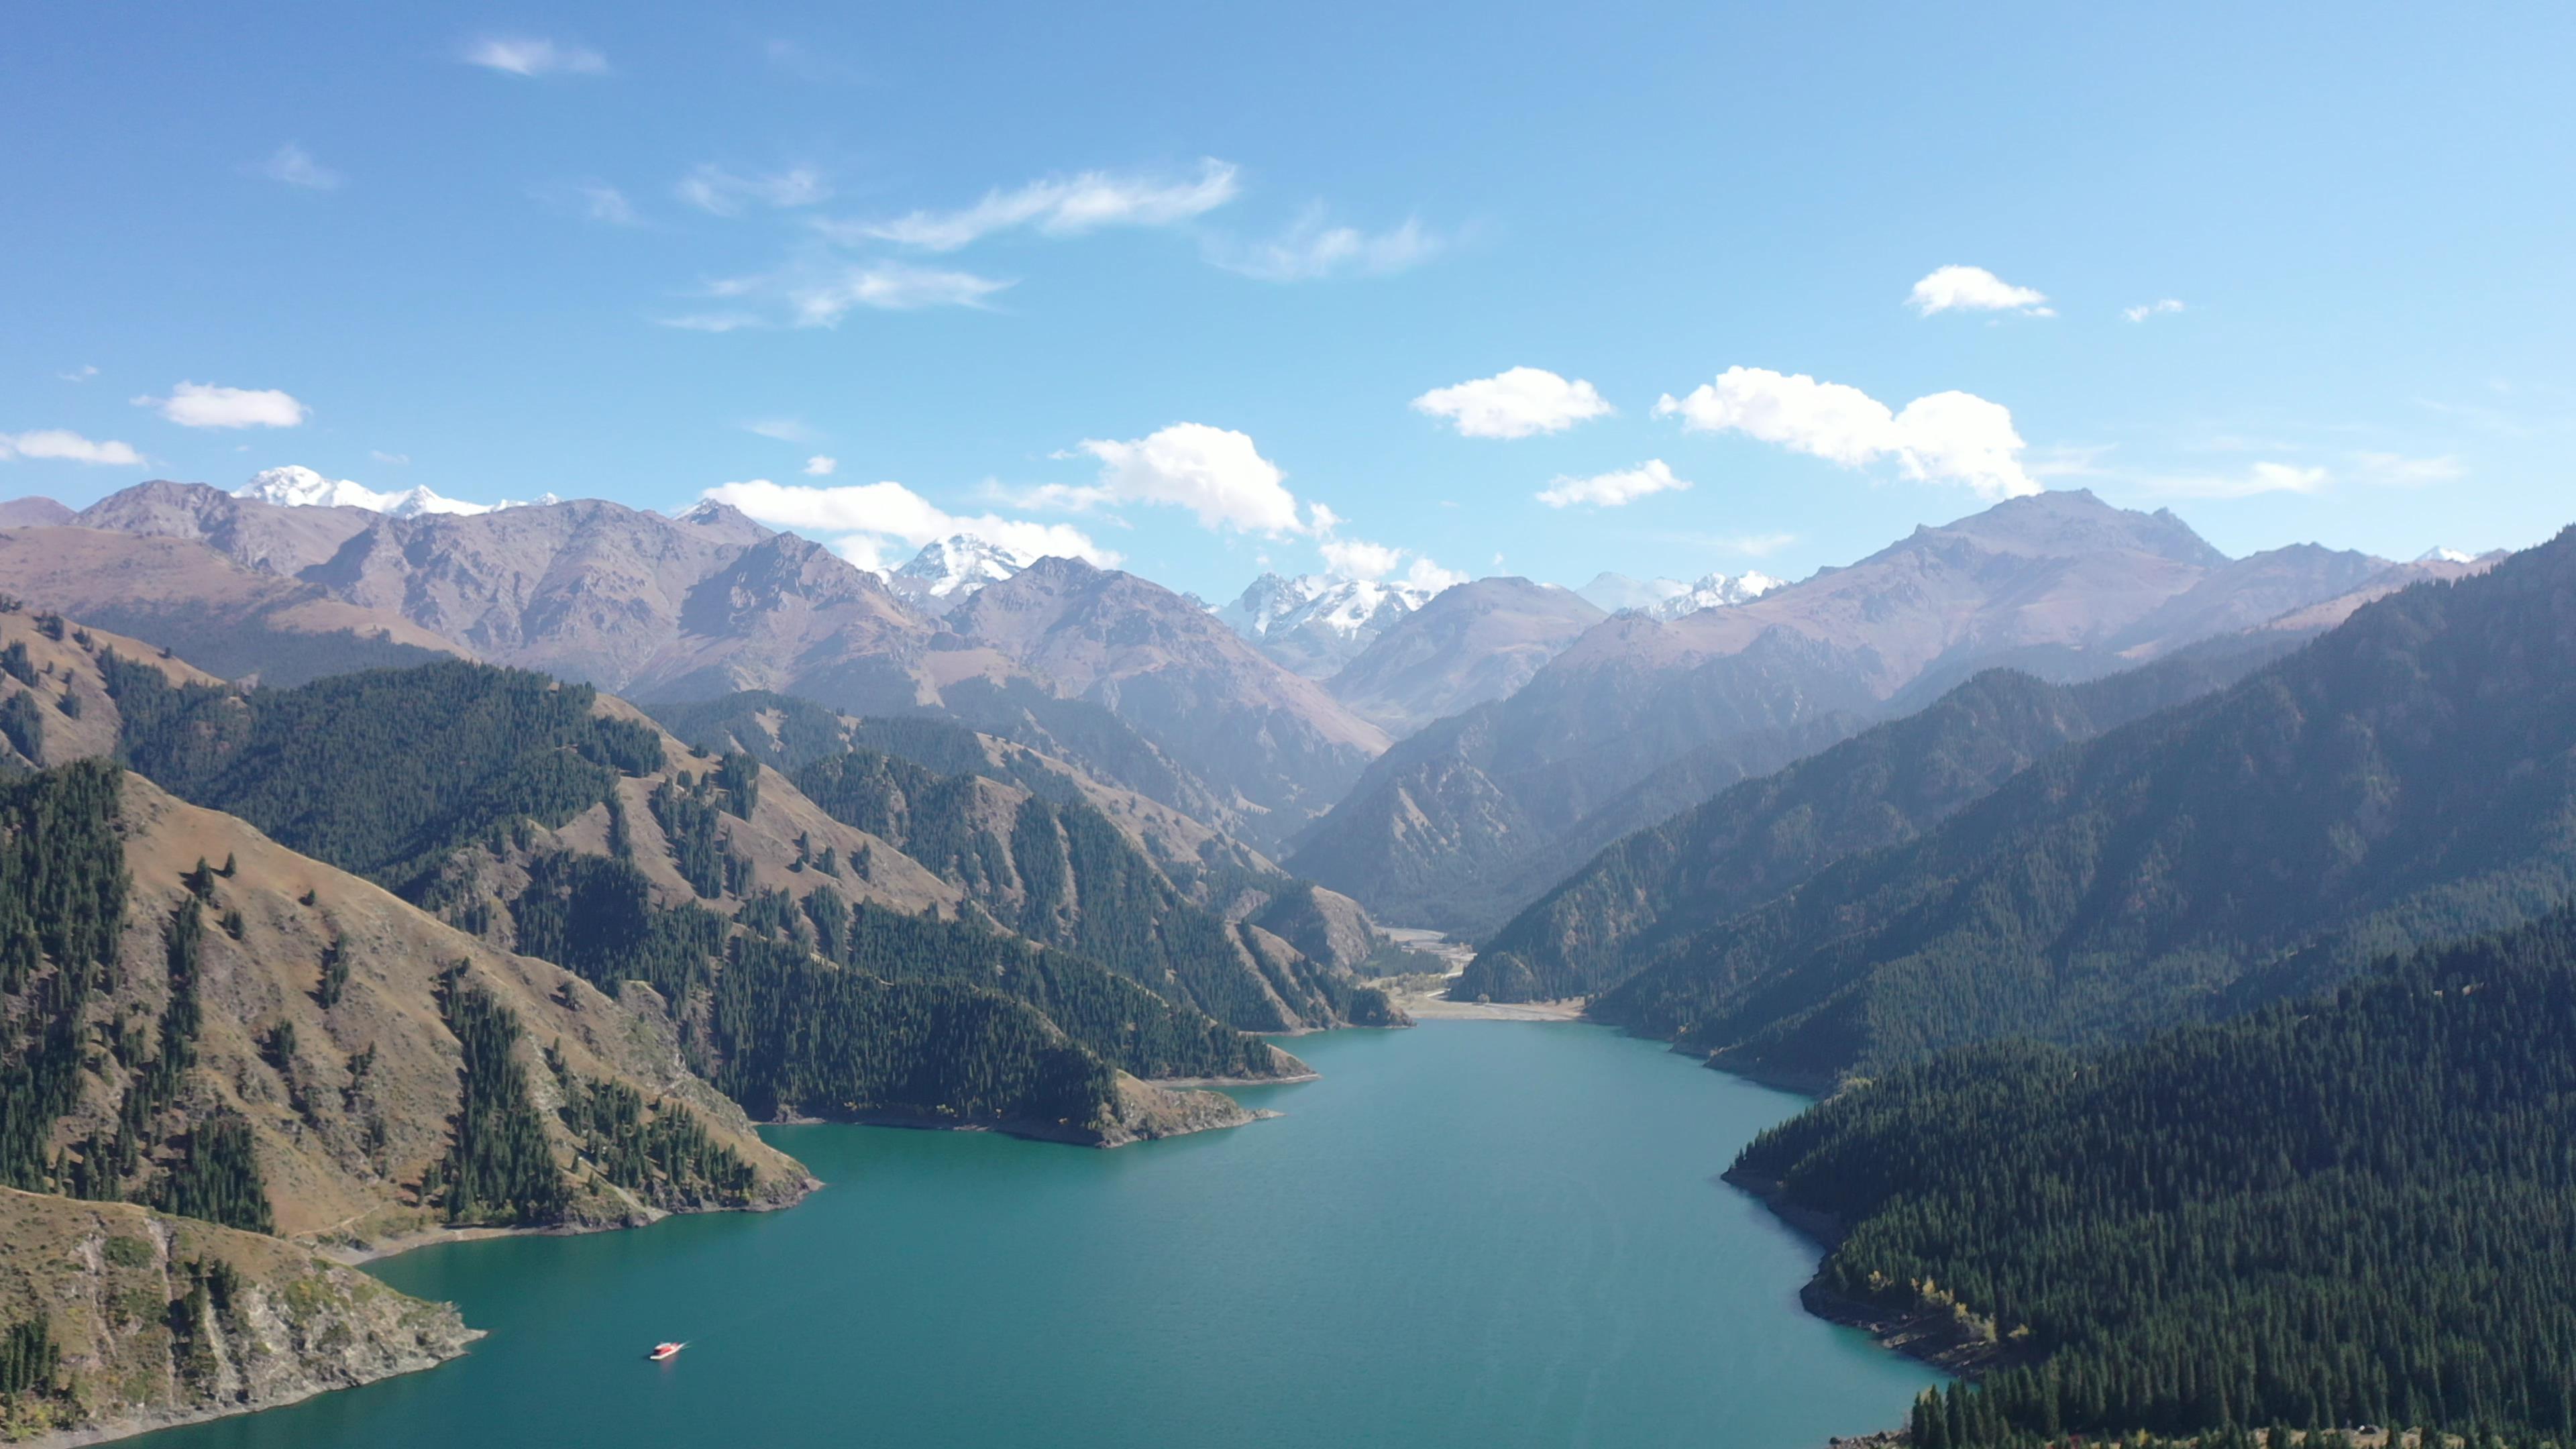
(1469, 1233)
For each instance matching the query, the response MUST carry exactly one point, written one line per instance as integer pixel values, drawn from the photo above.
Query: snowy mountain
(947, 570)
(1314, 623)
(1613, 593)
(2446, 555)
(294, 487)
(1715, 591)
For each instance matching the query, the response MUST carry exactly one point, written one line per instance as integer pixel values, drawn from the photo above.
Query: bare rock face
(160, 1320)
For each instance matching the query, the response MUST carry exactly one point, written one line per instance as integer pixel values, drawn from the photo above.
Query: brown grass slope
(143, 1345)
(343, 1151)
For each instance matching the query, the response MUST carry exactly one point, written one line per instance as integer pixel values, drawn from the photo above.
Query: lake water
(1470, 1234)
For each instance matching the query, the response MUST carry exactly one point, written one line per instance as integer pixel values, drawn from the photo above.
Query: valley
(403, 928)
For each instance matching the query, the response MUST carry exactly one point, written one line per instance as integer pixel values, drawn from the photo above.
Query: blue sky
(1161, 281)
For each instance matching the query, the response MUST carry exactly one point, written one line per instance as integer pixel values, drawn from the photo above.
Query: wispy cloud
(1974, 289)
(63, 445)
(82, 373)
(295, 166)
(2258, 479)
(1614, 489)
(205, 405)
(1056, 206)
(533, 56)
(1945, 437)
(784, 430)
(712, 188)
(820, 466)
(602, 202)
(1313, 249)
(2158, 308)
(2401, 471)
(397, 459)
(711, 321)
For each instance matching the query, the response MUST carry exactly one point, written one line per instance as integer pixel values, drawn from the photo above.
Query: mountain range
(2406, 777)
(1463, 823)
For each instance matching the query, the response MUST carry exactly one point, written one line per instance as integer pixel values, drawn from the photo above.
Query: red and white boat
(662, 1351)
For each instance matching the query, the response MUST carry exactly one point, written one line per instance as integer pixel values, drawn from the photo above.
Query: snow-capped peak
(958, 565)
(1714, 591)
(295, 487)
(2446, 555)
(1351, 608)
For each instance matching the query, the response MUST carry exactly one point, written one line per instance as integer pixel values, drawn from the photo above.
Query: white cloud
(874, 522)
(397, 459)
(783, 430)
(82, 373)
(2260, 478)
(1612, 490)
(295, 166)
(1310, 250)
(1974, 289)
(1515, 403)
(2157, 308)
(711, 188)
(1946, 437)
(1432, 578)
(1356, 559)
(820, 466)
(63, 445)
(1353, 558)
(1216, 473)
(534, 56)
(1057, 206)
(204, 405)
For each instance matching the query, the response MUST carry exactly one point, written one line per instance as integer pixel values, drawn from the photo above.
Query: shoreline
(1926, 1334)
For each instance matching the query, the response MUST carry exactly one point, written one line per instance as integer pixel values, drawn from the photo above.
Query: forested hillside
(2408, 777)
(539, 818)
(1065, 876)
(205, 1022)
(2340, 1210)
(1765, 836)
(787, 734)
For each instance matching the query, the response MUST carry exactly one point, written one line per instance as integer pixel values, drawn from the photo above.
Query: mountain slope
(2410, 775)
(693, 607)
(180, 594)
(551, 820)
(2049, 584)
(1473, 643)
(787, 734)
(229, 1321)
(2348, 1209)
(285, 1044)
(1183, 679)
(1767, 835)
(1064, 876)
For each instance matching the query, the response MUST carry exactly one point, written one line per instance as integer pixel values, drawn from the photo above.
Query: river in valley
(1466, 1234)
